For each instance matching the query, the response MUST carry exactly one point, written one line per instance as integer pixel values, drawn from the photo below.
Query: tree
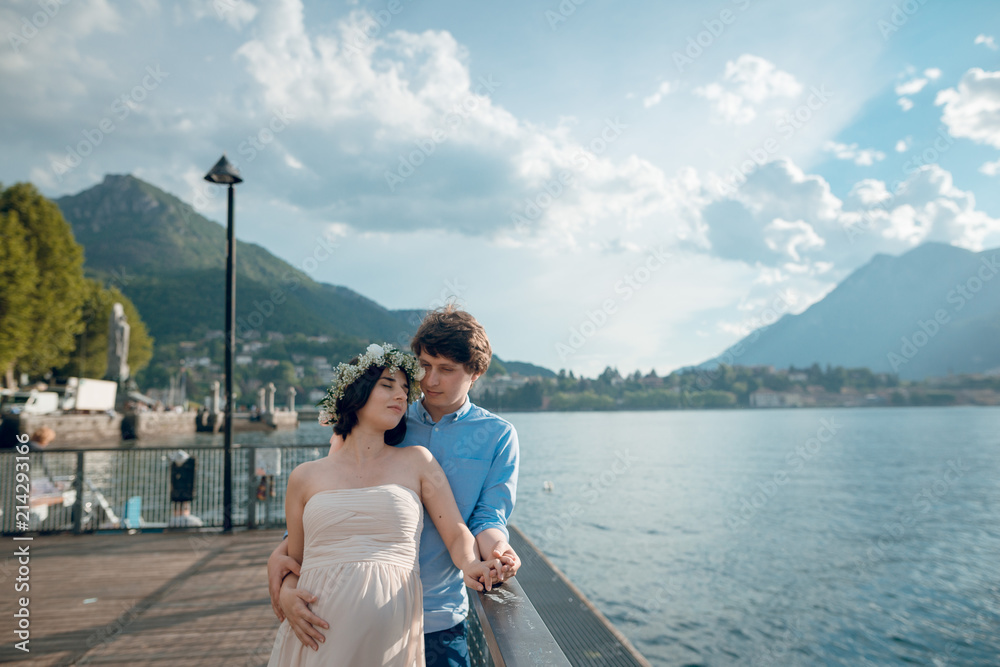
(496, 368)
(54, 304)
(18, 277)
(90, 356)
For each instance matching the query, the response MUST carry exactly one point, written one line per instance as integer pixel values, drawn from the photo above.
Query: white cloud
(987, 41)
(864, 157)
(757, 79)
(788, 238)
(928, 207)
(654, 99)
(972, 109)
(727, 105)
(903, 145)
(784, 218)
(749, 80)
(868, 192)
(911, 87)
(415, 126)
(236, 13)
(47, 70)
(990, 168)
(914, 85)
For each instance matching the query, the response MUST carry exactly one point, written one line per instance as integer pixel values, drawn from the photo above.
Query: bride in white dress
(354, 520)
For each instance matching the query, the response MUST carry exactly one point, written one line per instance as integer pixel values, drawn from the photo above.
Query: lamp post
(225, 173)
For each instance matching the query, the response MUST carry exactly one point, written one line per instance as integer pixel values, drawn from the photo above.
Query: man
(479, 454)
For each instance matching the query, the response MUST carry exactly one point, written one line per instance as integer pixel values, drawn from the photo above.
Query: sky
(602, 184)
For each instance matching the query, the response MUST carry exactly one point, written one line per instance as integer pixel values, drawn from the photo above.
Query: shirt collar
(453, 416)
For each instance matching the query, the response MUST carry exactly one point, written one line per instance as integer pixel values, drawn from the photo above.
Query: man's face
(446, 383)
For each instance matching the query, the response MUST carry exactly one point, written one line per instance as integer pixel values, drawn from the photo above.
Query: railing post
(78, 487)
(252, 490)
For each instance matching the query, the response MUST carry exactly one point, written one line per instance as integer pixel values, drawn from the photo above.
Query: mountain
(525, 369)
(932, 311)
(170, 261)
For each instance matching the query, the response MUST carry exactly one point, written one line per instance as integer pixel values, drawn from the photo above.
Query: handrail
(514, 633)
(505, 627)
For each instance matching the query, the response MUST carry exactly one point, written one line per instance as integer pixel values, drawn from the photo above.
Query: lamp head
(224, 173)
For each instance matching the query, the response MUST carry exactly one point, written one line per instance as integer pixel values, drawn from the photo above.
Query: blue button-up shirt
(479, 454)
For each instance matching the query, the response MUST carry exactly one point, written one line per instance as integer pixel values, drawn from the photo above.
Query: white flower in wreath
(375, 350)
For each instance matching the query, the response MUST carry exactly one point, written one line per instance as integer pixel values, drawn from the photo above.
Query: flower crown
(347, 374)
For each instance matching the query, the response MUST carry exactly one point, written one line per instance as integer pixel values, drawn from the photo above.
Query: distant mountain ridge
(932, 311)
(170, 261)
(162, 254)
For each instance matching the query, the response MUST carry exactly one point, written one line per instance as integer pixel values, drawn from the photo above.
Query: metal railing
(506, 630)
(130, 489)
(127, 489)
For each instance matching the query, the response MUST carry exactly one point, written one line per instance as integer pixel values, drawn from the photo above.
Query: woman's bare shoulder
(307, 471)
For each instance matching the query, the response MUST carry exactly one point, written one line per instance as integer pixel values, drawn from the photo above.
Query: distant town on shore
(894, 333)
(731, 387)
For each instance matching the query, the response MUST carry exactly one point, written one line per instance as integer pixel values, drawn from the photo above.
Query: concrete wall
(73, 429)
(147, 424)
(282, 419)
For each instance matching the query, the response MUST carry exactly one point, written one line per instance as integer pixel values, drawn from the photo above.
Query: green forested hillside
(171, 262)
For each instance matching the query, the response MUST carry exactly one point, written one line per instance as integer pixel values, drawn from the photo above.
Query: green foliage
(711, 399)
(496, 367)
(527, 397)
(721, 387)
(652, 399)
(18, 277)
(171, 261)
(55, 301)
(776, 382)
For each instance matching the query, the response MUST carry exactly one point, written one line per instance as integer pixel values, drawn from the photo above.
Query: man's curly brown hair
(455, 334)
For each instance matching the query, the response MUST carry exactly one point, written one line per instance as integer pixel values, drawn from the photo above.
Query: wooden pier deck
(147, 599)
(196, 599)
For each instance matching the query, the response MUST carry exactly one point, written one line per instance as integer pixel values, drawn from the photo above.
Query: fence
(129, 489)
(121, 489)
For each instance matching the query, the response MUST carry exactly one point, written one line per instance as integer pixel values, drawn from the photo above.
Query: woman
(354, 520)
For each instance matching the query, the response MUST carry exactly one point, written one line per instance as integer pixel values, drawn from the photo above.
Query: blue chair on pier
(133, 513)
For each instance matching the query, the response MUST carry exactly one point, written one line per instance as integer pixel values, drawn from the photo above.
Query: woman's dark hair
(355, 397)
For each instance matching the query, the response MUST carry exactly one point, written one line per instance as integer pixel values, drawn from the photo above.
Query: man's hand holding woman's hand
(508, 562)
(481, 573)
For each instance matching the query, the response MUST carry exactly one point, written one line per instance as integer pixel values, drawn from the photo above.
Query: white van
(30, 402)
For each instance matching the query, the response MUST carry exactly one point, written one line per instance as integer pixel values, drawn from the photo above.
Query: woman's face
(387, 403)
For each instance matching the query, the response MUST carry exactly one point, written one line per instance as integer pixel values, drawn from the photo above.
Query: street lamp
(225, 173)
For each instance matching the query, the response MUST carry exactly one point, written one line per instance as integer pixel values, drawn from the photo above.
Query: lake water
(785, 537)
(788, 537)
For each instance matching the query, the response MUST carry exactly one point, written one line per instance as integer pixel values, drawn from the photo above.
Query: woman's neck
(362, 445)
